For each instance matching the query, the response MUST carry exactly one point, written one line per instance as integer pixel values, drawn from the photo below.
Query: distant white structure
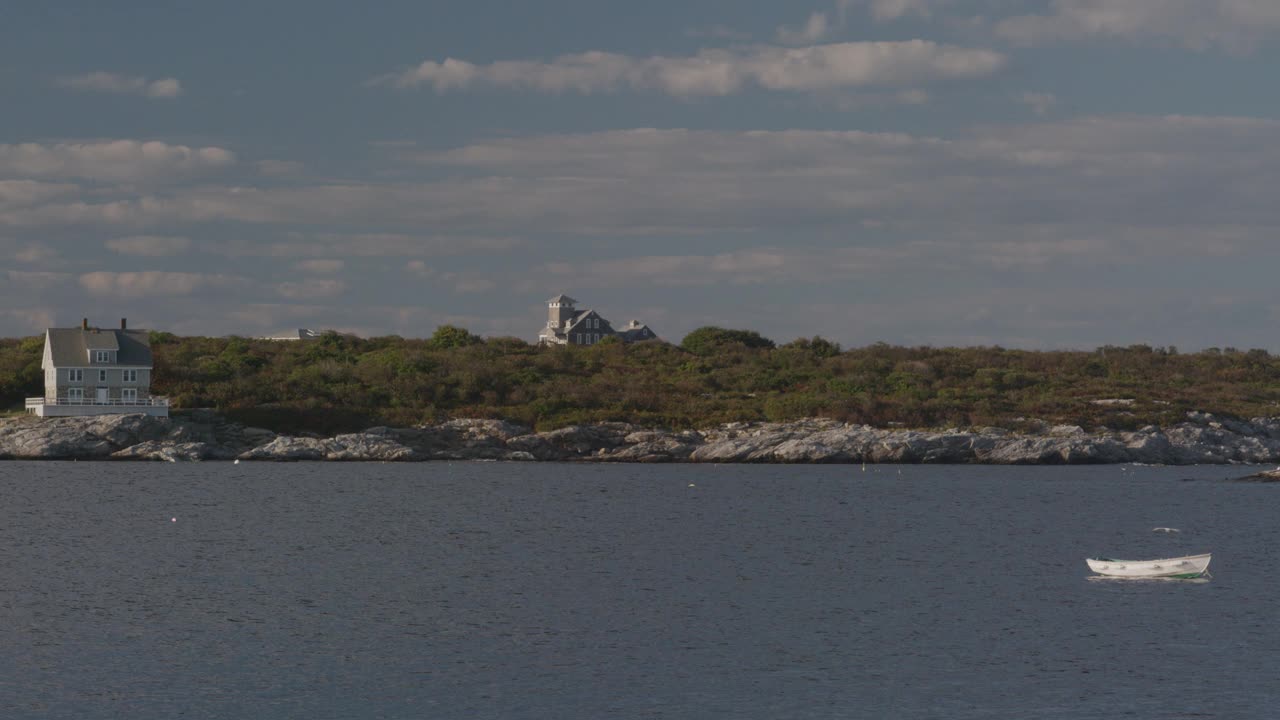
(95, 371)
(306, 334)
(569, 326)
(299, 334)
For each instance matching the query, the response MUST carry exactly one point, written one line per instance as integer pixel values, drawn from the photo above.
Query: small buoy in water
(173, 519)
(692, 485)
(864, 467)
(237, 462)
(1165, 530)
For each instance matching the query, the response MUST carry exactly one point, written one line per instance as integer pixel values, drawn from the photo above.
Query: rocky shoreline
(202, 435)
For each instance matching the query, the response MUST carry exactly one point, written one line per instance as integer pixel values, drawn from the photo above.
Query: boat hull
(1189, 566)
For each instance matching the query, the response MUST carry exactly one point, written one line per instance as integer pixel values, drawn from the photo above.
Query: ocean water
(498, 590)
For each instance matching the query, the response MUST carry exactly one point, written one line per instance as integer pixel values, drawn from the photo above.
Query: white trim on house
(99, 367)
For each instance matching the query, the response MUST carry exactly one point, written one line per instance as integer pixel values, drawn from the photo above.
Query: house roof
(577, 318)
(562, 299)
(99, 340)
(70, 346)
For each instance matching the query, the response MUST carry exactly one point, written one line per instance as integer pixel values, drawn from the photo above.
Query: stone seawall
(1201, 439)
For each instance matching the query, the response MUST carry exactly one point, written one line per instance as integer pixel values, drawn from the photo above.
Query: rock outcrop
(202, 435)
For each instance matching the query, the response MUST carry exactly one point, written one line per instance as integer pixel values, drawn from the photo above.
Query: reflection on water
(502, 590)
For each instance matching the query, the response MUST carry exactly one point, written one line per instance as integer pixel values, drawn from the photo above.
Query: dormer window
(102, 356)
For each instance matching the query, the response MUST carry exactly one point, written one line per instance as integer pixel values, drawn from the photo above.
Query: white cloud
(165, 88)
(320, 266)
(474, 285)
(321, 245)
(1040, 103)
(112, 160)
(741, 267)
(884, 10)
(35, 253)
(750, 266)
(25, 193)
(1096, 176)
(276, 168)
(31, 320)
(1236, 25)
(149, 245)
(719, 72)
(815, 29)
(419, 268)
(311, 289)
(36, 281)
(719, 32)
(153, 283)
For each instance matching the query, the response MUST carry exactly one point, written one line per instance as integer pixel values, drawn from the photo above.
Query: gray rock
(587, 440)
(172, 451)
(77, 437)
(356, 446)
(1202, 438)
(537, 447)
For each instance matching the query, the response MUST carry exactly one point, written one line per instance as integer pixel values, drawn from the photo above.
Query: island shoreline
(1201, 439)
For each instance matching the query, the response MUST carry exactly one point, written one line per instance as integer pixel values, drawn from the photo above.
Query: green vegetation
(340, 383)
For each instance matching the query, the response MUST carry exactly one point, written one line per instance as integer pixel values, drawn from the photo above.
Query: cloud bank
(717, 72)
(111, 160)
(1236, 25)
(164, 88)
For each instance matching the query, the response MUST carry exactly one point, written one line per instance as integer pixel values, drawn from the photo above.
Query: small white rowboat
(1190, 566)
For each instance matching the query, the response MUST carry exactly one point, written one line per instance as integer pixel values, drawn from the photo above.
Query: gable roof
(70, 346)
(100, 340)
(562, 299)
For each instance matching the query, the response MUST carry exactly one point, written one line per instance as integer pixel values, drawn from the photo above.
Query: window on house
(75, 394)
(102, 376)
(131, 376)
(75, 376)
(129, 395)
(102, 356)
(597, 338)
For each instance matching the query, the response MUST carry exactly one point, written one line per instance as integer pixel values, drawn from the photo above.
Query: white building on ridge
(569, 326)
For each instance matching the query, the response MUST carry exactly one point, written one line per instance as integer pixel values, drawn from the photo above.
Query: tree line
(715, 375)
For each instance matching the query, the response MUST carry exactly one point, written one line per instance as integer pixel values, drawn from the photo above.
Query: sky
(1038, 174)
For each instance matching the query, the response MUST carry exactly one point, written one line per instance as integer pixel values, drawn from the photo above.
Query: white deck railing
(140, 402)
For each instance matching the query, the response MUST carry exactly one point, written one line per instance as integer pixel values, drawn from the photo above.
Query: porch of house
(62, 407)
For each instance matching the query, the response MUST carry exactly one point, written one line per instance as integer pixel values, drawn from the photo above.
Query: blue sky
(1028, 173)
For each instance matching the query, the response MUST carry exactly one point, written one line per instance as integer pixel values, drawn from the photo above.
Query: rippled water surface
(495, 590)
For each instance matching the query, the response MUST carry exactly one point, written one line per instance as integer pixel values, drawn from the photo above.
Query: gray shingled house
(568, 326)
(92, 371)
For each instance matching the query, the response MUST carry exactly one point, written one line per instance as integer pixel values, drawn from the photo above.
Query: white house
(92, 371)
(569, 326)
